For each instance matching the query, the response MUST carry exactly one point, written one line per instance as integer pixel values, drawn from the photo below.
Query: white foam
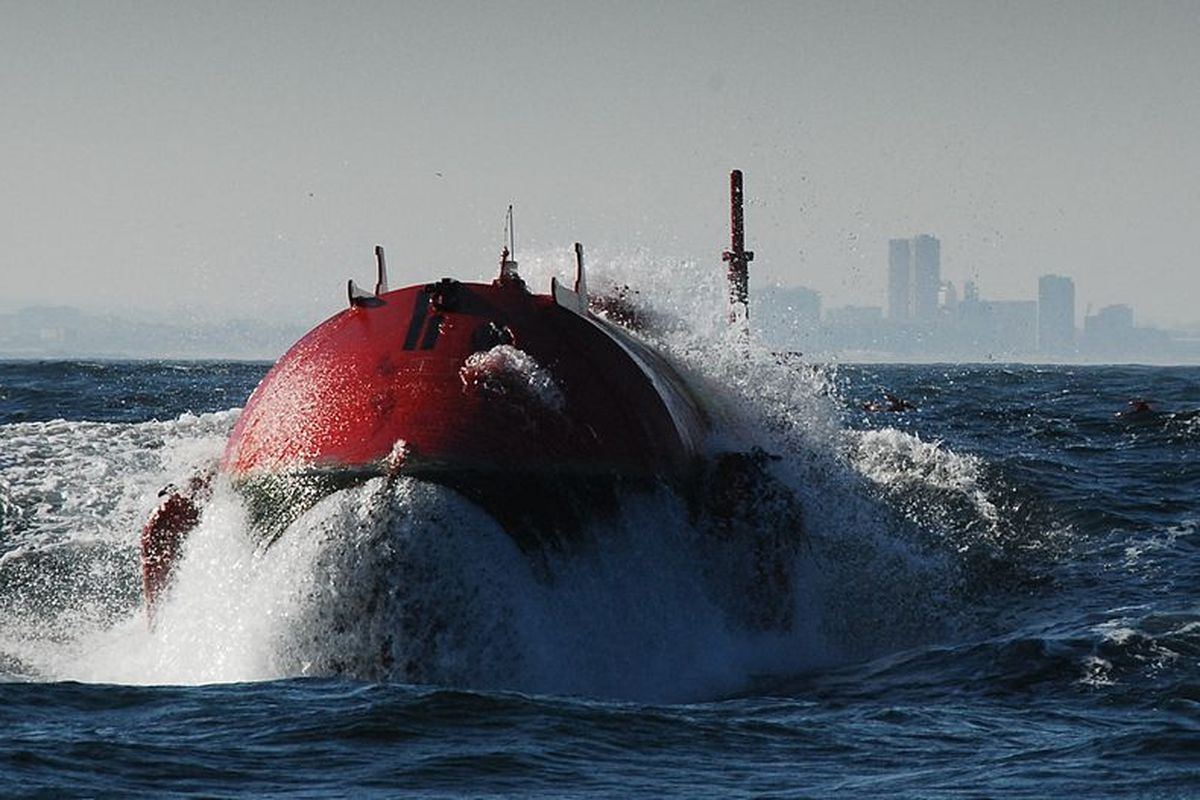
(506, 370)
(897, 460)
(409, 581)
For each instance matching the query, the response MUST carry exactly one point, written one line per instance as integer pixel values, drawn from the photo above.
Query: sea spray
(69, 561)
(407, 581)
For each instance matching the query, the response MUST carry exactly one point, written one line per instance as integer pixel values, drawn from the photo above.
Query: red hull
(468, 377)
(529, 405)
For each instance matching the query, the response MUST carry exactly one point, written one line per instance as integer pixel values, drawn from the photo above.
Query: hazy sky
(214, 159)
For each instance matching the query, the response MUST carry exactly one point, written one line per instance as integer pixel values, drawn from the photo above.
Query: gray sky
(229, 159)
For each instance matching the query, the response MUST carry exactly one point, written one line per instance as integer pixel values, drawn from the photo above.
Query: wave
(408, 581)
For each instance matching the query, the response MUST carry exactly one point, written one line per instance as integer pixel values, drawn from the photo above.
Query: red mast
(737, 256)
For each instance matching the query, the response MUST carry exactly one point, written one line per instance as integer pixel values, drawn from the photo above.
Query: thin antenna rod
(512, 242)
(508, 265)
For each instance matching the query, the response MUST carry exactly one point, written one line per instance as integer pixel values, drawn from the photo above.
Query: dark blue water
(133, 391)
(1003, 584)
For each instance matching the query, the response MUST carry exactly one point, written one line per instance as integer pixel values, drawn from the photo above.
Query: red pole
(737, 256)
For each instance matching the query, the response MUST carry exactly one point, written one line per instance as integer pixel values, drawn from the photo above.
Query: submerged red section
(467, 376)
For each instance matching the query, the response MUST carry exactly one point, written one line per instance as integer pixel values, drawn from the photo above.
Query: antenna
(508, 266)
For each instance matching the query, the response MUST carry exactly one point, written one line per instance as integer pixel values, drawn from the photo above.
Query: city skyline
(232, 159)
(972, 328)
(923, 317)
(936, 286)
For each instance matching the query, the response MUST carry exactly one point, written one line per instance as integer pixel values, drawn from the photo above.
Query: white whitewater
(408, 581)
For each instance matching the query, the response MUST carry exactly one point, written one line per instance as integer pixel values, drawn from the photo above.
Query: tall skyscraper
(1056, 315)
(914, 278)
(900, 280)
(927, 276)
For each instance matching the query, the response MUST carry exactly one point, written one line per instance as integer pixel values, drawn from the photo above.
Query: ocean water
(996, 594)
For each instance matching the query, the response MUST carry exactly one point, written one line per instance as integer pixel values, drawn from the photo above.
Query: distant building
(914, 278)
(785, 316)
(857, 328)
(927, 276)
(1110, 335)
(1056, 315)
(948, 296)
(855, 315)
(1013, 326)
(1109, 331)
(900, 280)
(1111, 320)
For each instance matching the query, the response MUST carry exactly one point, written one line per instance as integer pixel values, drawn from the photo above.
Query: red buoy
(530, 405)
(466, 376)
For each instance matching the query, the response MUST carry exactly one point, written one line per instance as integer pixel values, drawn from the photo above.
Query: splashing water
(408, 581)
(505, 371)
